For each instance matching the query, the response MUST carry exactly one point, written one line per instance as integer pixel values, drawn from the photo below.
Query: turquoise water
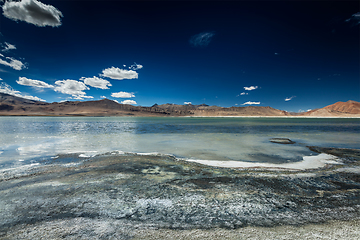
(25, 140)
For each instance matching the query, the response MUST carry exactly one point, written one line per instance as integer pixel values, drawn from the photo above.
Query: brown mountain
(339, 109)
(15, 106)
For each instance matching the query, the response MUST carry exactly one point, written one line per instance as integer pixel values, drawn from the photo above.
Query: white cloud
(123, 95)
(128, 102)
(354, 19)
(135, 66)
(13, 63)
(187, 103)
(251, 103)
(102, 97)
(202, 39)
(73, 88)
(119, 74)
(244, 93)
(96, 82)
(250, 88)
(32, 11)
(8, 47)
(1, 79)
(33, 83)
(308, 110)
(5, 88)
(290, 98)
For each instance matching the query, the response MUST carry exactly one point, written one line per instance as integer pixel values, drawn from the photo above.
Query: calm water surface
(25, 140)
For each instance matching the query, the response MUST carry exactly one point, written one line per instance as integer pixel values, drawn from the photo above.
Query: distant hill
(339, 109)
(15, 106)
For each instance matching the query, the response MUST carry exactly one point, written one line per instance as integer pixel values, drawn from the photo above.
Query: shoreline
(155, 116)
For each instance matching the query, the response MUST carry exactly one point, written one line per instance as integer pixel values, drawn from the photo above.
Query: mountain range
(16, 106)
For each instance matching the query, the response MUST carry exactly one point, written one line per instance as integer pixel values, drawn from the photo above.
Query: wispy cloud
(135, 66)
(33, 83)
(119, 74)
(96, 82)
(354, 19)
(73, 88)
(5, 88)
(251, 103)
(202, 39)
(123, 95)
(8, 47)
(32, 11)
(250, 88)
(11, 62)
(289, 98)
(242, 94)
(131, 102)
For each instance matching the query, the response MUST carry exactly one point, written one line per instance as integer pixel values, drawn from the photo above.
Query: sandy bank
(308, 162)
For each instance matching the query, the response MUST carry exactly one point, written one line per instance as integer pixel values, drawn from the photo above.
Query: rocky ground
(129, 196)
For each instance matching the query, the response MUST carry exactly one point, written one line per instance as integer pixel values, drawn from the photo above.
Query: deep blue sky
(189, 51)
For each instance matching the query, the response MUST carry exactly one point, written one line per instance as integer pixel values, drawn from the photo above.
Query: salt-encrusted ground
(125, 196)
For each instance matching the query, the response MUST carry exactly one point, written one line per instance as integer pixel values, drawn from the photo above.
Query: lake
(30, 139)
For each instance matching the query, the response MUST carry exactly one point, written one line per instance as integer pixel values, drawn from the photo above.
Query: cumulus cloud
(32, 11)
(187, 103)
(8, 47)
(131, 102)
(96, 82)
(119, 74)
(33, 83)
(73, 88)
(202, 39)
(251, 103)
(135, 66)
(12, 62)
(354, 19)
(5, 88)
(289, 99)
(123, 95)
(250, 88)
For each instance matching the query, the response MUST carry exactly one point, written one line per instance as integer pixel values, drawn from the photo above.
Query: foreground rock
(114, 196)
(281, 140)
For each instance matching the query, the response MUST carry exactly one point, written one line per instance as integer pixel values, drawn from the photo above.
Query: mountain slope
(339, 109)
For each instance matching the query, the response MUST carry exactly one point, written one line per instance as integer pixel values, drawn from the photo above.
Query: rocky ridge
(15, 106)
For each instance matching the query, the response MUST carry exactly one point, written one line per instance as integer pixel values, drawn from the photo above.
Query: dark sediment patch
(350, 155)
(130, 192)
